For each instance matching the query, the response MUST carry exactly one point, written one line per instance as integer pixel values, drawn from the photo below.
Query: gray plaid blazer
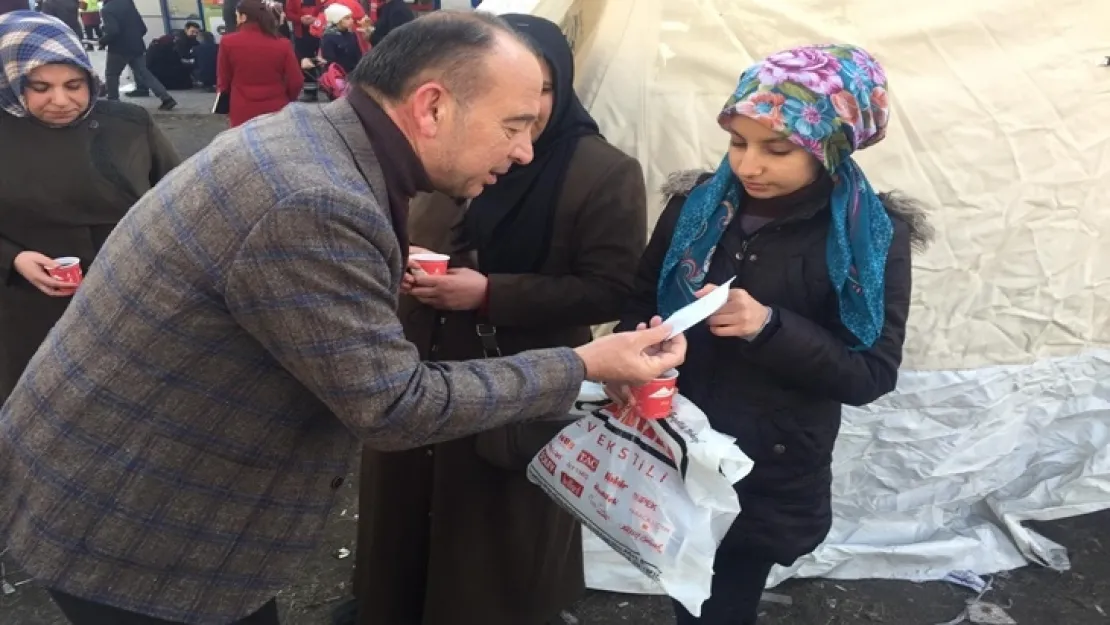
(174, 447)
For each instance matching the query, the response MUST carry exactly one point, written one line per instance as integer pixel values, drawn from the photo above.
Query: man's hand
(741, 316)
(632, 357)
(307, 20)
(36, 268)
(621, 394)
(460, 289)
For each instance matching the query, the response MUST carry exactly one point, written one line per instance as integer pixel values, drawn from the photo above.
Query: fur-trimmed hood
(901, 206)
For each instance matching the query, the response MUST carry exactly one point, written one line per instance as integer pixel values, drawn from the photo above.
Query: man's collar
(395, 153)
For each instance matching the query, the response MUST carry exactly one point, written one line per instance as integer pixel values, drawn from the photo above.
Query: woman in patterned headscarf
(70, 168)
(816, 315)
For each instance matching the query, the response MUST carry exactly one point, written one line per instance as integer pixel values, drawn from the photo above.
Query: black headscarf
(510, 223)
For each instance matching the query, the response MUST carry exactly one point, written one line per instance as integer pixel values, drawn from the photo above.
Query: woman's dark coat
(455, 534)
(66, 10)
(63, 198)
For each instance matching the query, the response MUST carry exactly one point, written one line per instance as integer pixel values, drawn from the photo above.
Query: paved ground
(1032, 596)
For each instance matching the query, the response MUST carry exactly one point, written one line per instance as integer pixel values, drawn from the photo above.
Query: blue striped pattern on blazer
(172, 447)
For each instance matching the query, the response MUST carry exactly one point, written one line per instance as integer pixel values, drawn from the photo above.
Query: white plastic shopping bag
(658, 492)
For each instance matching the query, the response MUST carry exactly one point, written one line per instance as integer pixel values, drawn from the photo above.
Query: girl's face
(767, 163)
(57, 94)
(345, 24)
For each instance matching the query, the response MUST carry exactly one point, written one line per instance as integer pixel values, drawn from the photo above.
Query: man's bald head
(454, 48)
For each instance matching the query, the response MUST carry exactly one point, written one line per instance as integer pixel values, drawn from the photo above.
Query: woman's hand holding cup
(36, 269)
(412, 269)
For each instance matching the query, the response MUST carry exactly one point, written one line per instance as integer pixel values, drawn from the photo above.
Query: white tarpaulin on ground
(1002, 122)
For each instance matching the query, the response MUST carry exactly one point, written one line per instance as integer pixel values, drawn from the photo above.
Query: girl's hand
(741, 316)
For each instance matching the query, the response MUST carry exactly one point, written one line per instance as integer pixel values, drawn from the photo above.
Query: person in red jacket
(255, 66)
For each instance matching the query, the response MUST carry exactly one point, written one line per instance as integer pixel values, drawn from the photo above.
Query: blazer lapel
(343, 118)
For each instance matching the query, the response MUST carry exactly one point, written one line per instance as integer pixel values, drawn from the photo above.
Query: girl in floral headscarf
(816, 315)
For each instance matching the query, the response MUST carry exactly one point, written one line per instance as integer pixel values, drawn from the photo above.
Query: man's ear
(429, 104)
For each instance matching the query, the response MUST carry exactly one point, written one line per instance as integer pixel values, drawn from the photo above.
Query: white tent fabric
(1002, 123)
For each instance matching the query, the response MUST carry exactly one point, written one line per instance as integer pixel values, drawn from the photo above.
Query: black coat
(205, 57)
(391, 15)
(780, 395)
(163, 59)
(124, 28)
(341, 47)
(65, 10)
(7, 6)
(231, 17)
(110, 160)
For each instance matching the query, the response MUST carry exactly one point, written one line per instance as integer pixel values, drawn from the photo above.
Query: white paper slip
(697, 311)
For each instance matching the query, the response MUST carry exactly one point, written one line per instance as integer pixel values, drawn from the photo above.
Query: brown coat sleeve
(608, 235)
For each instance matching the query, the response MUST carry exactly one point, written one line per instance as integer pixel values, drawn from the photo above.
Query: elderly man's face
(493, 132)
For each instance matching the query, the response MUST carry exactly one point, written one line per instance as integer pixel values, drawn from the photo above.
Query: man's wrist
(582, 359)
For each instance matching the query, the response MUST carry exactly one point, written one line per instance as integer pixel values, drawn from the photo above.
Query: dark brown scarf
(404, 174)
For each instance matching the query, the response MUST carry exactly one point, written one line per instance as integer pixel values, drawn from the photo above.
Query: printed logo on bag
(658, 492)
(606, 497)
(616, 480)
(547, 462)
(566, 441)
(571, 484)
(588, 459)
(643, 538)
(643, 430)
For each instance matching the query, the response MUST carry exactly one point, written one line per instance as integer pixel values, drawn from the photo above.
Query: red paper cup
(653, 400)
(68, 270)
(432, 264)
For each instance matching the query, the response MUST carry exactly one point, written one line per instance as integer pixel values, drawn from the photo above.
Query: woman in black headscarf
(454, 533)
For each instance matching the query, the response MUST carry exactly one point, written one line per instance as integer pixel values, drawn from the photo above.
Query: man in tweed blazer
(173, 450)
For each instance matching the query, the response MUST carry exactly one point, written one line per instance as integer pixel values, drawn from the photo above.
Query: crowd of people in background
(193, 404)
(325, 39)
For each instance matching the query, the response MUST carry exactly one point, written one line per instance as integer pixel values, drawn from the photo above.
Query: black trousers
(113, 67)
(92, 33)
(82, 612)
(306, 47)
(738, 582)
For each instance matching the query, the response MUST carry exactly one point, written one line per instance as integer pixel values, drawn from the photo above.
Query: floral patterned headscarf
(831, 100)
